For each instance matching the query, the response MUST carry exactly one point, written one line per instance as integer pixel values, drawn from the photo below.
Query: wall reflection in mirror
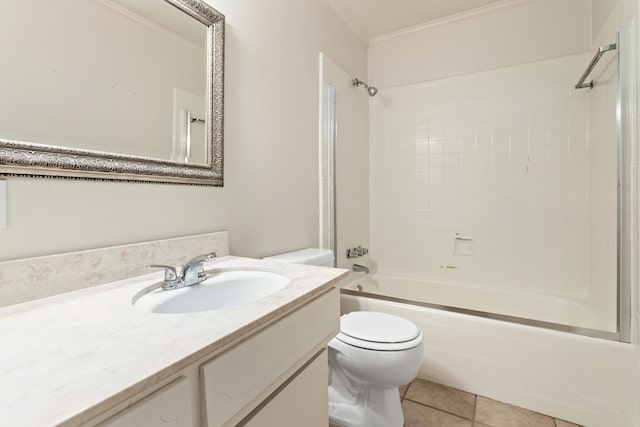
(130, 78)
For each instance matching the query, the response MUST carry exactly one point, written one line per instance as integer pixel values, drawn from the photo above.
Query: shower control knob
(361, 251)
(357, 252)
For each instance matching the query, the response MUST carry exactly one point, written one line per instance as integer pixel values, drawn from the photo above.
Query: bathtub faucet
(358, 267)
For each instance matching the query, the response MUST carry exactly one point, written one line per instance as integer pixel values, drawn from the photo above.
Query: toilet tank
(310, 256)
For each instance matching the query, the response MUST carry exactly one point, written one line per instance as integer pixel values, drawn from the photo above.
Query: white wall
(524, 31)
(270, 198)
(600, 12)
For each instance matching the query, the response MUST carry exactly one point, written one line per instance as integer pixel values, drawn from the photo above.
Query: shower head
(370, 89)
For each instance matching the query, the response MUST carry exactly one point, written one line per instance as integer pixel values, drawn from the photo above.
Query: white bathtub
(560, 310)
(585, 380)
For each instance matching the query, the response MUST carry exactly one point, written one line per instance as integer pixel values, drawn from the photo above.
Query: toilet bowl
(370, 358)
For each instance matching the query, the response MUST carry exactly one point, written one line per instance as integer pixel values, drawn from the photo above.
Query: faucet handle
(360, 251)
(170, 274)
(357, 252)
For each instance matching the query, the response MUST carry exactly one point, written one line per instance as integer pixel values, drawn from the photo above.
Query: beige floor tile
(497, 414)
(403, 390)
(417, 415)
(476, 424)
(560, 423)
(447, 399)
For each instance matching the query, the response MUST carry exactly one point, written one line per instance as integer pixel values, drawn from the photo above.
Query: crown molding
(350, 20)
(443, 21)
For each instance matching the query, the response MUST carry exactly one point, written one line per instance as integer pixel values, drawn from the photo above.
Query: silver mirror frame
(20, 158)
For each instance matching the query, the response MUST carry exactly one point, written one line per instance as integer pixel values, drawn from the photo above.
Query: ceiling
(373, 18)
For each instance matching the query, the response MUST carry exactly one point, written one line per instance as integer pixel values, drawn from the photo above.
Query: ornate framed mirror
(126, 90)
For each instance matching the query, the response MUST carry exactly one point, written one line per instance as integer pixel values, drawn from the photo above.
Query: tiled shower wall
(484, 179)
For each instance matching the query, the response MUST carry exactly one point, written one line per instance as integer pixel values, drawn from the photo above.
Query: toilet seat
(378, 331)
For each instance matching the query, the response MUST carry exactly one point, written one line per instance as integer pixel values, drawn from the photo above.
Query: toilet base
(377, 406)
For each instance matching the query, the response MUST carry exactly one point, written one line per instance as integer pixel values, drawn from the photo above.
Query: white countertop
(67, 358)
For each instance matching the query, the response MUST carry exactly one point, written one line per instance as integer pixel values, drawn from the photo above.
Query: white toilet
(370, 358)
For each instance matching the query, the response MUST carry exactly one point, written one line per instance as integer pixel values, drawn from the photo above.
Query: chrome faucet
(357, 252)
(358, 267)
(192, 273)
(193, 270)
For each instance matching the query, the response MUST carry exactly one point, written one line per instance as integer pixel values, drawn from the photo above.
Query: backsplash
(32, 278)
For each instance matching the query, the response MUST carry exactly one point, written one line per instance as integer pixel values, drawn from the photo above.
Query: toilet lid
(378, 327)
(380, 346)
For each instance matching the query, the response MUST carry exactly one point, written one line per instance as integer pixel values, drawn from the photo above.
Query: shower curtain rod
(604, 48)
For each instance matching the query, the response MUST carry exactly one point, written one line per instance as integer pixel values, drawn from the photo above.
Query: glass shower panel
(627, 175)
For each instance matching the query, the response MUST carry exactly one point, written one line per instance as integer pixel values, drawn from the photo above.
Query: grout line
(405, 391)
(475, 407)
(437, 409)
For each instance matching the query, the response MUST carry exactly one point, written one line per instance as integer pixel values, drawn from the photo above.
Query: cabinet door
(168, 407)
(303, 402)
(239, 378)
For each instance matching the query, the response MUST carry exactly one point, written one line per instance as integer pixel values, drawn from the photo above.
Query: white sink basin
(221, 290)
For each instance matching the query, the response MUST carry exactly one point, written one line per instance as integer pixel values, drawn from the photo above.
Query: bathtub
(581, 379)
(551, 311)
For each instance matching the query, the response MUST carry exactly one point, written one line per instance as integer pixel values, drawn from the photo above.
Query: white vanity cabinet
(169, 406)
(303, 402)
(239, 379)
(275, 376)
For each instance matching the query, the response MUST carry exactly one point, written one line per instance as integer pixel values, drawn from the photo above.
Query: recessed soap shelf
(463, 245)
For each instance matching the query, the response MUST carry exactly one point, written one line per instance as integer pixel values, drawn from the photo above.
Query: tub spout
(358, 267)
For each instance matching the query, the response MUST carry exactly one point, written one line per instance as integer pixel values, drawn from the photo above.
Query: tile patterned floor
(427, 404)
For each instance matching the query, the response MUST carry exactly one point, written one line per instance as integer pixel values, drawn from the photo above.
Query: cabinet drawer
(303, 402)
(169, 406)
(238, 376)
